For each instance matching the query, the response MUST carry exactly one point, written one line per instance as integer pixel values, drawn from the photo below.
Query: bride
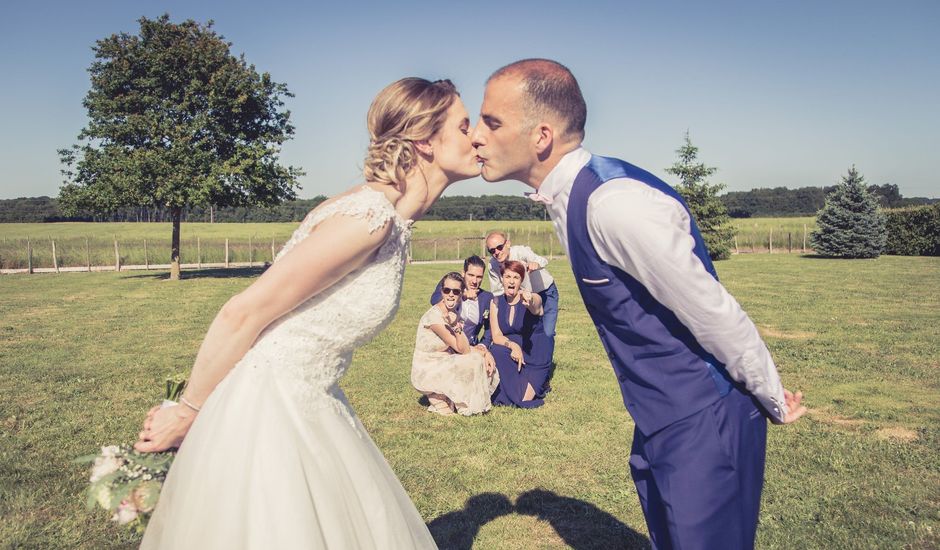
(270, 453)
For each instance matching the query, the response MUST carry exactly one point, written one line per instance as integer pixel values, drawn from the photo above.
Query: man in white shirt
(537, 278)
(694, 373)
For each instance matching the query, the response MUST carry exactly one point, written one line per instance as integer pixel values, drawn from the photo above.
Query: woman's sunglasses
(497, 248)
(453, 291)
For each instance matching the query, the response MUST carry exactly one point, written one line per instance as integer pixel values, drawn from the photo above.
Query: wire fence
(70, 254)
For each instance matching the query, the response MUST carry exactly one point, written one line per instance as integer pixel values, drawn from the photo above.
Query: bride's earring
(424, 147)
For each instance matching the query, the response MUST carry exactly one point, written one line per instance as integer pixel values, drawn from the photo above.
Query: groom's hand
(795, 407)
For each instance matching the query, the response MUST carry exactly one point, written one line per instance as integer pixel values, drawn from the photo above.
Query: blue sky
(774, 93)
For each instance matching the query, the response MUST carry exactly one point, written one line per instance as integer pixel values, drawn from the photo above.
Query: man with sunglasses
(475, 307)
(538, 279)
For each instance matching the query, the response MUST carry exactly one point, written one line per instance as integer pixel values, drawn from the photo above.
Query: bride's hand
(165, 428)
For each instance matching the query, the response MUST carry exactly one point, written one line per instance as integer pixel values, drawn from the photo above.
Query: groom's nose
(476, 137)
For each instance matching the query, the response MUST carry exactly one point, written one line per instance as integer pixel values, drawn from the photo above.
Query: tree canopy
(709, 212)
(850, 225)
(175, 121)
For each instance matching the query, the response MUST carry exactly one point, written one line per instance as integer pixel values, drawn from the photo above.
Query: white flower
(103, 495)
(104, 465)
(110, 451)
(126, 513)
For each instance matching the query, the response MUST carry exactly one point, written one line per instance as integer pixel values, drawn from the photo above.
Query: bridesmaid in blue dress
(522, 351)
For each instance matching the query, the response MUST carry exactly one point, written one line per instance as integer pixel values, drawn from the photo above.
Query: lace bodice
(311, 347)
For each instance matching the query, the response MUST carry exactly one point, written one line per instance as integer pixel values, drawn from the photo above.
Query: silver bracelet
(186, 402)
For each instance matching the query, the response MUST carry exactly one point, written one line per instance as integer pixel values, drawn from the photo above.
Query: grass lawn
(82, 357)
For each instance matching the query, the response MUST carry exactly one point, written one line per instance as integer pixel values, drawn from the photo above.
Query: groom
(694, 373)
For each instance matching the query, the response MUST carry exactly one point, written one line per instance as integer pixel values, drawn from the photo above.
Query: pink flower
(126, 513)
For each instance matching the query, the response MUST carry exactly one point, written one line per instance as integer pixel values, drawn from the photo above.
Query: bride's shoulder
(360, 202)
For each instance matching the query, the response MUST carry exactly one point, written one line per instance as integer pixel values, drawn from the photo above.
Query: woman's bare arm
(336, 247)
(456, 342)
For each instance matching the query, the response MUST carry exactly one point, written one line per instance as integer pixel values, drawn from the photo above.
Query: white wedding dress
(277, 459)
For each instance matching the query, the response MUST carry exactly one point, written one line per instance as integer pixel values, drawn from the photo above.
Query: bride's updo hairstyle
(406, 111)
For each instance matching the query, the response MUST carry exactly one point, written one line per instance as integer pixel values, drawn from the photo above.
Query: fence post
(249, 251)
(410, 252)
(804, 238)
(435, 250)
(789, 242)
(226, 252)
(771, 240)
(87, 255)
(55, 261)
(483, 246)
(458, 250)
(117, 257)
(272, 250)
(146, 256)
(198, 253)
(29, 257)
(551, 247)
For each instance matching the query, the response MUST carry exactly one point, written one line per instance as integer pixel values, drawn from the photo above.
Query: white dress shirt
(470, 315)
(645, 233)
(536, 281)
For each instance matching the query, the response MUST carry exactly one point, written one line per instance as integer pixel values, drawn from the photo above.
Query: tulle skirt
(258, 471)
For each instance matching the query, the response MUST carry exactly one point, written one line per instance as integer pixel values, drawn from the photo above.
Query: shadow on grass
(580, 524)
(212, 273)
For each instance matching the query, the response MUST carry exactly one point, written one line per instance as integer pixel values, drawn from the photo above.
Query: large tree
(709, 212)
(850, 224)
(176, 120)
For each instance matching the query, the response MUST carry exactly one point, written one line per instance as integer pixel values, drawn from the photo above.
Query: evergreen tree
(850, 225)
(176, 121)
(709, 212)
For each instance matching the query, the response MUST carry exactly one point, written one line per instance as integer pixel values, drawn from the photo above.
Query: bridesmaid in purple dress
(522, 351)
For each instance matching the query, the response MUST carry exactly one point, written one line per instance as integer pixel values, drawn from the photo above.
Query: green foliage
(175, 120)
(805, 201)
(850, 225)
(913, 231)
(709, 212)
(486, 207)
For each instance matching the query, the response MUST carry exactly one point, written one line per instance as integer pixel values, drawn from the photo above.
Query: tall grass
(81, 244)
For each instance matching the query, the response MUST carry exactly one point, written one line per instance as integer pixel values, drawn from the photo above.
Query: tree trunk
(175, 245)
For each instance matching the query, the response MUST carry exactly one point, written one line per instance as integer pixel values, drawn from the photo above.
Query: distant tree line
(46, 209)
(777, 202)
(804, 201)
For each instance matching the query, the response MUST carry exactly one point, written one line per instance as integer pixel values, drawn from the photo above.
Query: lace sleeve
(432, 317)
(366, 204)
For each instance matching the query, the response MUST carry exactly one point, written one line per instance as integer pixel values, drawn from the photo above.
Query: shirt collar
(564, 172)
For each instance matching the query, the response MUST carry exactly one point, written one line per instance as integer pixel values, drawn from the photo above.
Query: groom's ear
(544, 137)
(424, 147)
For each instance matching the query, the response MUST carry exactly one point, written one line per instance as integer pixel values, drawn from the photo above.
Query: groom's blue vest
(664, 374)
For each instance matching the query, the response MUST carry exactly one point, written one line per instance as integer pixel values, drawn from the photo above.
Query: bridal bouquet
(127, 483)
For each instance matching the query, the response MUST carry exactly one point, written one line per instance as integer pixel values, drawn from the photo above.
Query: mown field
(81, 244)
(82, 356)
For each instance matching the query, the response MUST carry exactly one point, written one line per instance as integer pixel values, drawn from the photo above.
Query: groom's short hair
(549, 88)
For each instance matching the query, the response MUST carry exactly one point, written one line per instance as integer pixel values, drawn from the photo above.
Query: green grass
(754, 234)
(82, 356)
(78, 244)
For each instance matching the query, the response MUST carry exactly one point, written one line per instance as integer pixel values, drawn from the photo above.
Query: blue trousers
(700, 479)
(549, 309)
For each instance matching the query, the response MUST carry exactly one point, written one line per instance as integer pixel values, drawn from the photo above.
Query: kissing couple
(271, 455)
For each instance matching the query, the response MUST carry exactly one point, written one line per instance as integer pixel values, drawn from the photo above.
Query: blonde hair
(405, 111)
